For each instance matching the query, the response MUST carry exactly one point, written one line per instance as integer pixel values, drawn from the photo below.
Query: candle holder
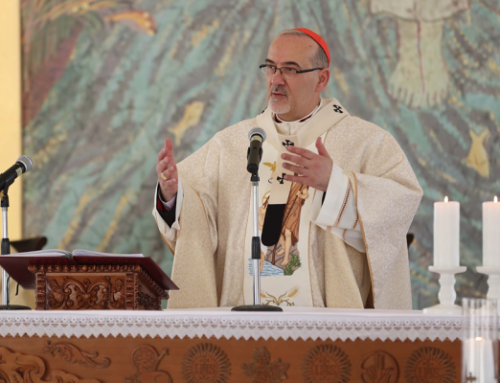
(447, 294)
(480, 340)
(493, 274)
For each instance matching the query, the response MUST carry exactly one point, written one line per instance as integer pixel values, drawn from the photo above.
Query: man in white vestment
(336, 199)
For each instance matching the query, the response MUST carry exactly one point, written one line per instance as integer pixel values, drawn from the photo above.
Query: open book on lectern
(16, 265)
(74, 253)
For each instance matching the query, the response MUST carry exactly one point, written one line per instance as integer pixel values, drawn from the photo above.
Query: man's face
(292, 97)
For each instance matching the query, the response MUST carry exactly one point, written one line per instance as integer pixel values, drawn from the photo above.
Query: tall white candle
(479, 361)
(491, 234)
(446, 234)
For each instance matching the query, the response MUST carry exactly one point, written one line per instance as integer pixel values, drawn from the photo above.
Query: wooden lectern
(91, 282)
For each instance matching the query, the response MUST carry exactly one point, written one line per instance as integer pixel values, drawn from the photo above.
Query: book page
(44, 253)
(89, 253)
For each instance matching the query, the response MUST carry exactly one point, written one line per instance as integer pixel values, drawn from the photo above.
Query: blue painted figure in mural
(334, 215)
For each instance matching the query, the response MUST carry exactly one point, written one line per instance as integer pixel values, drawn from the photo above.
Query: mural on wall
(105, 81)
(420, 78)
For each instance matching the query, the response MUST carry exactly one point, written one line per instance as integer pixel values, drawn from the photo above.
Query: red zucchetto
(318, 39)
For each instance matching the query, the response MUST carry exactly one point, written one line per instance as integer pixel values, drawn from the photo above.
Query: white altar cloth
(293, 323)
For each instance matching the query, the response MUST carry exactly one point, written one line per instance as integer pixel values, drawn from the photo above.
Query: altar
(217, 345)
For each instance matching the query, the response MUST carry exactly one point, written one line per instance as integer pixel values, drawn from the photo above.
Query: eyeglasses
(270, 70)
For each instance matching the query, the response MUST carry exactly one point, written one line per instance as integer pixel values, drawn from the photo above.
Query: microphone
(257, 137)
(23, 165)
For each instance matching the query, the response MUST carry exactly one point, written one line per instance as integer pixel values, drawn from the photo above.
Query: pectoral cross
(281, 179)
(288, 143)
(470, 378)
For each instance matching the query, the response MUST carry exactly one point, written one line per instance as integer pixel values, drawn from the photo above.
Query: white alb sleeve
(170, 232)
(337, 213)
(167, 205)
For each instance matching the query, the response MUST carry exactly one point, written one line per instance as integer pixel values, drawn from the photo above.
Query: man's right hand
(167, 171)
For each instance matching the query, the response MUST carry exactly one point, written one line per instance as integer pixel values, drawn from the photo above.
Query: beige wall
(10, 105)
(10, 121)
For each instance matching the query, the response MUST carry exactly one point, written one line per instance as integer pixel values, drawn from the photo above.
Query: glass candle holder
(480, 340)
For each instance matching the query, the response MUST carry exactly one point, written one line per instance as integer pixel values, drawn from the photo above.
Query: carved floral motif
(206, 363)
(73, 294)
(262, 370)
(16, 367)
(73, 354)
(117, 296)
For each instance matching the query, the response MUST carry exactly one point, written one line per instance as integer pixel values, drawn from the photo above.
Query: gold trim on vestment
(368, 260)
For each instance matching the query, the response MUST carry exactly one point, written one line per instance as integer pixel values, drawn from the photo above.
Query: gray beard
(278, 109)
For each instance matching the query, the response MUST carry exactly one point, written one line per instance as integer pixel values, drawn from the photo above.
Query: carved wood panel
(379, 366)
(96, 287)
(206, 363)
(146, 360)
(84, 293)
(430, 365)
(18, 367)
(326, 363)
(72, 354)
(153, 360)
(262, 370)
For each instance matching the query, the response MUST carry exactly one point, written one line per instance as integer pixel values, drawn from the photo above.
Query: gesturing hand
(167, 171)
(310, 169)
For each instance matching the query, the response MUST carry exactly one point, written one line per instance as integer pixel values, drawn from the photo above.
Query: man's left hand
(313, 169)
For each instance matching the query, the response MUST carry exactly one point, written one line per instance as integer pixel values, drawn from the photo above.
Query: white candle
(491, 234)
(446, 234)
(479, 362)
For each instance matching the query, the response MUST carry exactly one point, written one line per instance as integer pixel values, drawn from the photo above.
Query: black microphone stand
(6, 251)
(257, 306)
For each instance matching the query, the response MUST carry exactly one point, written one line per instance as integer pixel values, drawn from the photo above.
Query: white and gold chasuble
(346, 260)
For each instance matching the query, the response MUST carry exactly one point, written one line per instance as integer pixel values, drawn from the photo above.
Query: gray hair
(319, 60)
